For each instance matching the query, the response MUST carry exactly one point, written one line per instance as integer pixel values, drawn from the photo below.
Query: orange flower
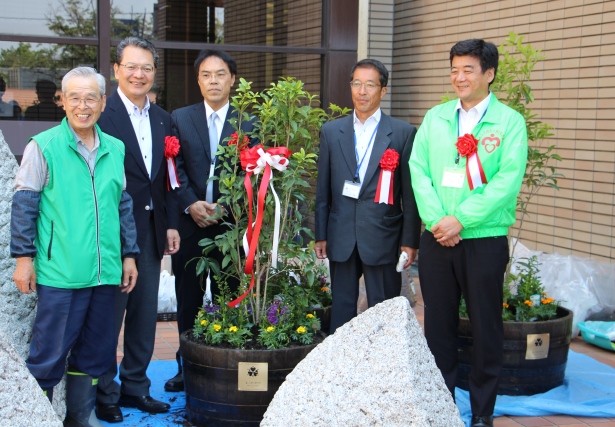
(505, 305)
(528, 302)
(324, 289)
(547, 301)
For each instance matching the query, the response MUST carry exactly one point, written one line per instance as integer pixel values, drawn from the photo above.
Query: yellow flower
(217, 327)
(301, 330)
(528, 302)
(270, 329)
(203, 322)
(505, 305)
(201, 312)
(309, 316)
(232, 329)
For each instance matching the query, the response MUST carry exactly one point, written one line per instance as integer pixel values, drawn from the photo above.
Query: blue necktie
(213, 148)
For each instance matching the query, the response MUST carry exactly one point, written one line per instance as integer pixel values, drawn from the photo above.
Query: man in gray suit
(366, 215)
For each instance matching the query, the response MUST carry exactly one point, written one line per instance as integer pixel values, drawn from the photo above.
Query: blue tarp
(588, 391)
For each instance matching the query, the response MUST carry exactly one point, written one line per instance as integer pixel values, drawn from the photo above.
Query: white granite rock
(22, 402)
(376, 370)
(18, 310)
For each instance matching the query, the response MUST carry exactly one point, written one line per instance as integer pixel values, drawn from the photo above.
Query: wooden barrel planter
(522, 372)
(211, 378)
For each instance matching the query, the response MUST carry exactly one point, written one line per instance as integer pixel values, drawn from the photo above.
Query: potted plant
(537, 331)
(242, 346)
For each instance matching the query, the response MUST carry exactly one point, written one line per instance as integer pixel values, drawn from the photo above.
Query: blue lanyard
(459, 131)
(356, 153)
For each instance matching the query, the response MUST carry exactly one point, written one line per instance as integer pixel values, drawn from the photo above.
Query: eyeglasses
(219, 76)
(90, 102)
(370, 86)
(132, 68)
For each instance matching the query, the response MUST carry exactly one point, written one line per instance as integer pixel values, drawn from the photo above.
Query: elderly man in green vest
(74, 237)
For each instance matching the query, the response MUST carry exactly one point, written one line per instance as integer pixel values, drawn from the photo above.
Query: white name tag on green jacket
(453, 177)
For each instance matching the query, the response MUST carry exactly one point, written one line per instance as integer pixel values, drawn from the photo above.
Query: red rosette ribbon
(467, 146)
(171, 150)
(388, 164)
(253, 161)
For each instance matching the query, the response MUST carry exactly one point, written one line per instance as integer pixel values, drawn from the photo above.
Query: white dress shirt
(364, 140)
(143, 130)
(469, 119)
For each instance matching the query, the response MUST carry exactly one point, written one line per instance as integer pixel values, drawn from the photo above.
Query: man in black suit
(142, 126)
(200, 128)
(365, 217)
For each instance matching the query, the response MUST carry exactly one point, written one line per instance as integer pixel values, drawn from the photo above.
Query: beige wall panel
(574, 89)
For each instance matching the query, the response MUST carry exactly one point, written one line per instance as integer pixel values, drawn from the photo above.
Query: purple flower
(211, 309)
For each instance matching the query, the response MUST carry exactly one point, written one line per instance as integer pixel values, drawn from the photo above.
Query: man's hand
(25, 276)
(129, 275)
(321, 249)
(447, 230)
(172, 242)
(411, 255)
(204, 213)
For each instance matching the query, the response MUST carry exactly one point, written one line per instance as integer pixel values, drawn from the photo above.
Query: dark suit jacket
(116, 122)
(377, 229)
(194, 158)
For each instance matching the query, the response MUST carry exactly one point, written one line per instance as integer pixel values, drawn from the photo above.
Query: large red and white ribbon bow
(254, 161)
(467, 146)
(171, 149)
(388, 164)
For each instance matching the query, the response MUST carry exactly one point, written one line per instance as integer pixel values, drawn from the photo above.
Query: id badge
(453, 177)
(351, 189)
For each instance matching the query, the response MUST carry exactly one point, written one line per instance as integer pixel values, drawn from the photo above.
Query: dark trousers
(474, 267)
(382, 282)
(190, 288)
(141, 309)
(75, 320)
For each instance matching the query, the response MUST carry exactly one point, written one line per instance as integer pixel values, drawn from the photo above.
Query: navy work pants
(77, 320)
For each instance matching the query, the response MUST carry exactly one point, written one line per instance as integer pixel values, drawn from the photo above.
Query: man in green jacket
(467, 165)
(74, 237)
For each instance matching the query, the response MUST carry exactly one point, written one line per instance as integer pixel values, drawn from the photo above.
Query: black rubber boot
(49, 393)
(80, 399)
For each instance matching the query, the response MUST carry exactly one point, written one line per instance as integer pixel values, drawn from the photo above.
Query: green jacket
(78, 228)
(486, 211)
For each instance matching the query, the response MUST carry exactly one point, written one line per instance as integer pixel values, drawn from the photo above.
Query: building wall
(574, 92)
(380, 42)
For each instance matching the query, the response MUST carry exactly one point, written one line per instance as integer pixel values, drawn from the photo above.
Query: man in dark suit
(200, 128)
(365, 214)
(142, 126)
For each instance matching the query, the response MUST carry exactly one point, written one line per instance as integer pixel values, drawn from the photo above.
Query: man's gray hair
(85, 72)
(136, 42)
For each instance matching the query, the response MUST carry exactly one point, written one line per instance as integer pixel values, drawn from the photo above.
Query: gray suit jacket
(377, 229)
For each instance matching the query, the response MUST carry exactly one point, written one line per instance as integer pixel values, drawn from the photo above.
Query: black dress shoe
(109, 412)
(176, 383)
(143, 403)
(483, 421)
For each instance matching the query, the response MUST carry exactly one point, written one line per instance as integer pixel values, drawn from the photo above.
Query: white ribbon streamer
(385, 187)
(474, 170)
(172, 174)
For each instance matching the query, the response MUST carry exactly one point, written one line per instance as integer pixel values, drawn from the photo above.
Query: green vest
(78, 228)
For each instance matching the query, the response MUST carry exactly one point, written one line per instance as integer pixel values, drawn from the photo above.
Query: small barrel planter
(524, 372)
(213, 398)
